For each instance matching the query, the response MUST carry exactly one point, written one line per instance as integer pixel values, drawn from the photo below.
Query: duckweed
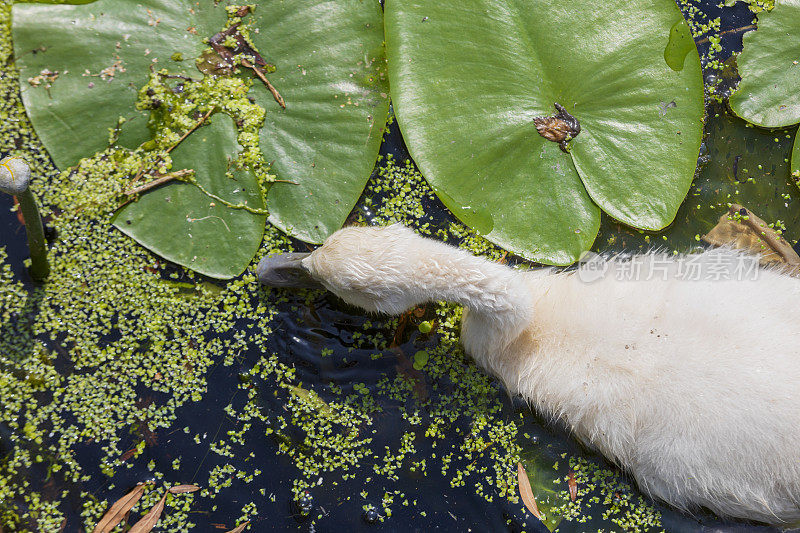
(117, 345)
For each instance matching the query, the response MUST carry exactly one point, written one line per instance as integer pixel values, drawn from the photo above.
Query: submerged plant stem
(37, 244)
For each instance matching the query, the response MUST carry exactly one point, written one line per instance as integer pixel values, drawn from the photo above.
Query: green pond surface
(290, 409)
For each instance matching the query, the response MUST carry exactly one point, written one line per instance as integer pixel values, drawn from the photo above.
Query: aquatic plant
(15, 179)
(470, 84)
(632, 110)
(86, 74)
(78, 388)
(769, 93)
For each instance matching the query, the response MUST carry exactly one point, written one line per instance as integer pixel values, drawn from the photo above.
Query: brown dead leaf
(239, 528)
(573, 486)
(119, 509)
(743, 230)
(526, 493)
(149, 521)
(210, 62)
(127, 455)
(182, 489)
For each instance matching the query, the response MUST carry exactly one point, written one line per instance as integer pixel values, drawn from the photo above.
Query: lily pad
(796, 159)
(769, 93)
(468, 82)
(181, 223)
(331, 71)
(742, 164)
(98, 56)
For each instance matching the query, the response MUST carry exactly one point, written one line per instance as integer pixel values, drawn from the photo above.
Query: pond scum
(114, 324)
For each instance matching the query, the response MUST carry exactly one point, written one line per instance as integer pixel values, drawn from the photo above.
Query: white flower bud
(15, 175)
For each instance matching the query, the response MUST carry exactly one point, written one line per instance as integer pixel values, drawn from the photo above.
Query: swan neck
(493, 293)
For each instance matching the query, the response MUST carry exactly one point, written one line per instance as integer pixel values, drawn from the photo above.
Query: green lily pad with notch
(122, 38)
(795, 168)
(745, 165)
(331, 71)
(184, 225)
(769, 93)
(468, 80)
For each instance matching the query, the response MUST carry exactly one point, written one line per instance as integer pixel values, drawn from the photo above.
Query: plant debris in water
(233, 48)
(560, 128)
(743, 230)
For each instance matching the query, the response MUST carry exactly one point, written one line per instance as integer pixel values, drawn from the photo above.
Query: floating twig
(734, 30)
(197, 125)
(275, 94)
(171, 148)
(178, 174)
(238, 53)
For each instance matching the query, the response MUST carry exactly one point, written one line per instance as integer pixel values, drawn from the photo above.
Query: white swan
(691, 386)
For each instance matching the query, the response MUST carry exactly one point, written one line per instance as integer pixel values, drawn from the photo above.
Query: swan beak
(286, 270)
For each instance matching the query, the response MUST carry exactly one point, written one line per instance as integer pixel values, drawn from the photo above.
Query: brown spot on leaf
(559, 128)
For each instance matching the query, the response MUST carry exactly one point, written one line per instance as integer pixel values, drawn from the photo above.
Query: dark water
(301, 330)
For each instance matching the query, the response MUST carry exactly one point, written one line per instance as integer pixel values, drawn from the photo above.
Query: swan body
(691, 386)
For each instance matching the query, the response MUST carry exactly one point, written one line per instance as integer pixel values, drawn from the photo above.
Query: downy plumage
(692, 386)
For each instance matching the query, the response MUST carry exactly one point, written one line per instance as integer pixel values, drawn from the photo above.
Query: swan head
(369, 267)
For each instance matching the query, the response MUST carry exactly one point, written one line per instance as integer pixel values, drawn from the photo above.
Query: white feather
(693, 386)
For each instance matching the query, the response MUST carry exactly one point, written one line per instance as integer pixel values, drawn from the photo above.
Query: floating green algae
(108, 354)
(168, 342)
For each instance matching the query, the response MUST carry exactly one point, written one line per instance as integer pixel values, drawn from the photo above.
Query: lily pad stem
(15, 179)
(40, 268)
